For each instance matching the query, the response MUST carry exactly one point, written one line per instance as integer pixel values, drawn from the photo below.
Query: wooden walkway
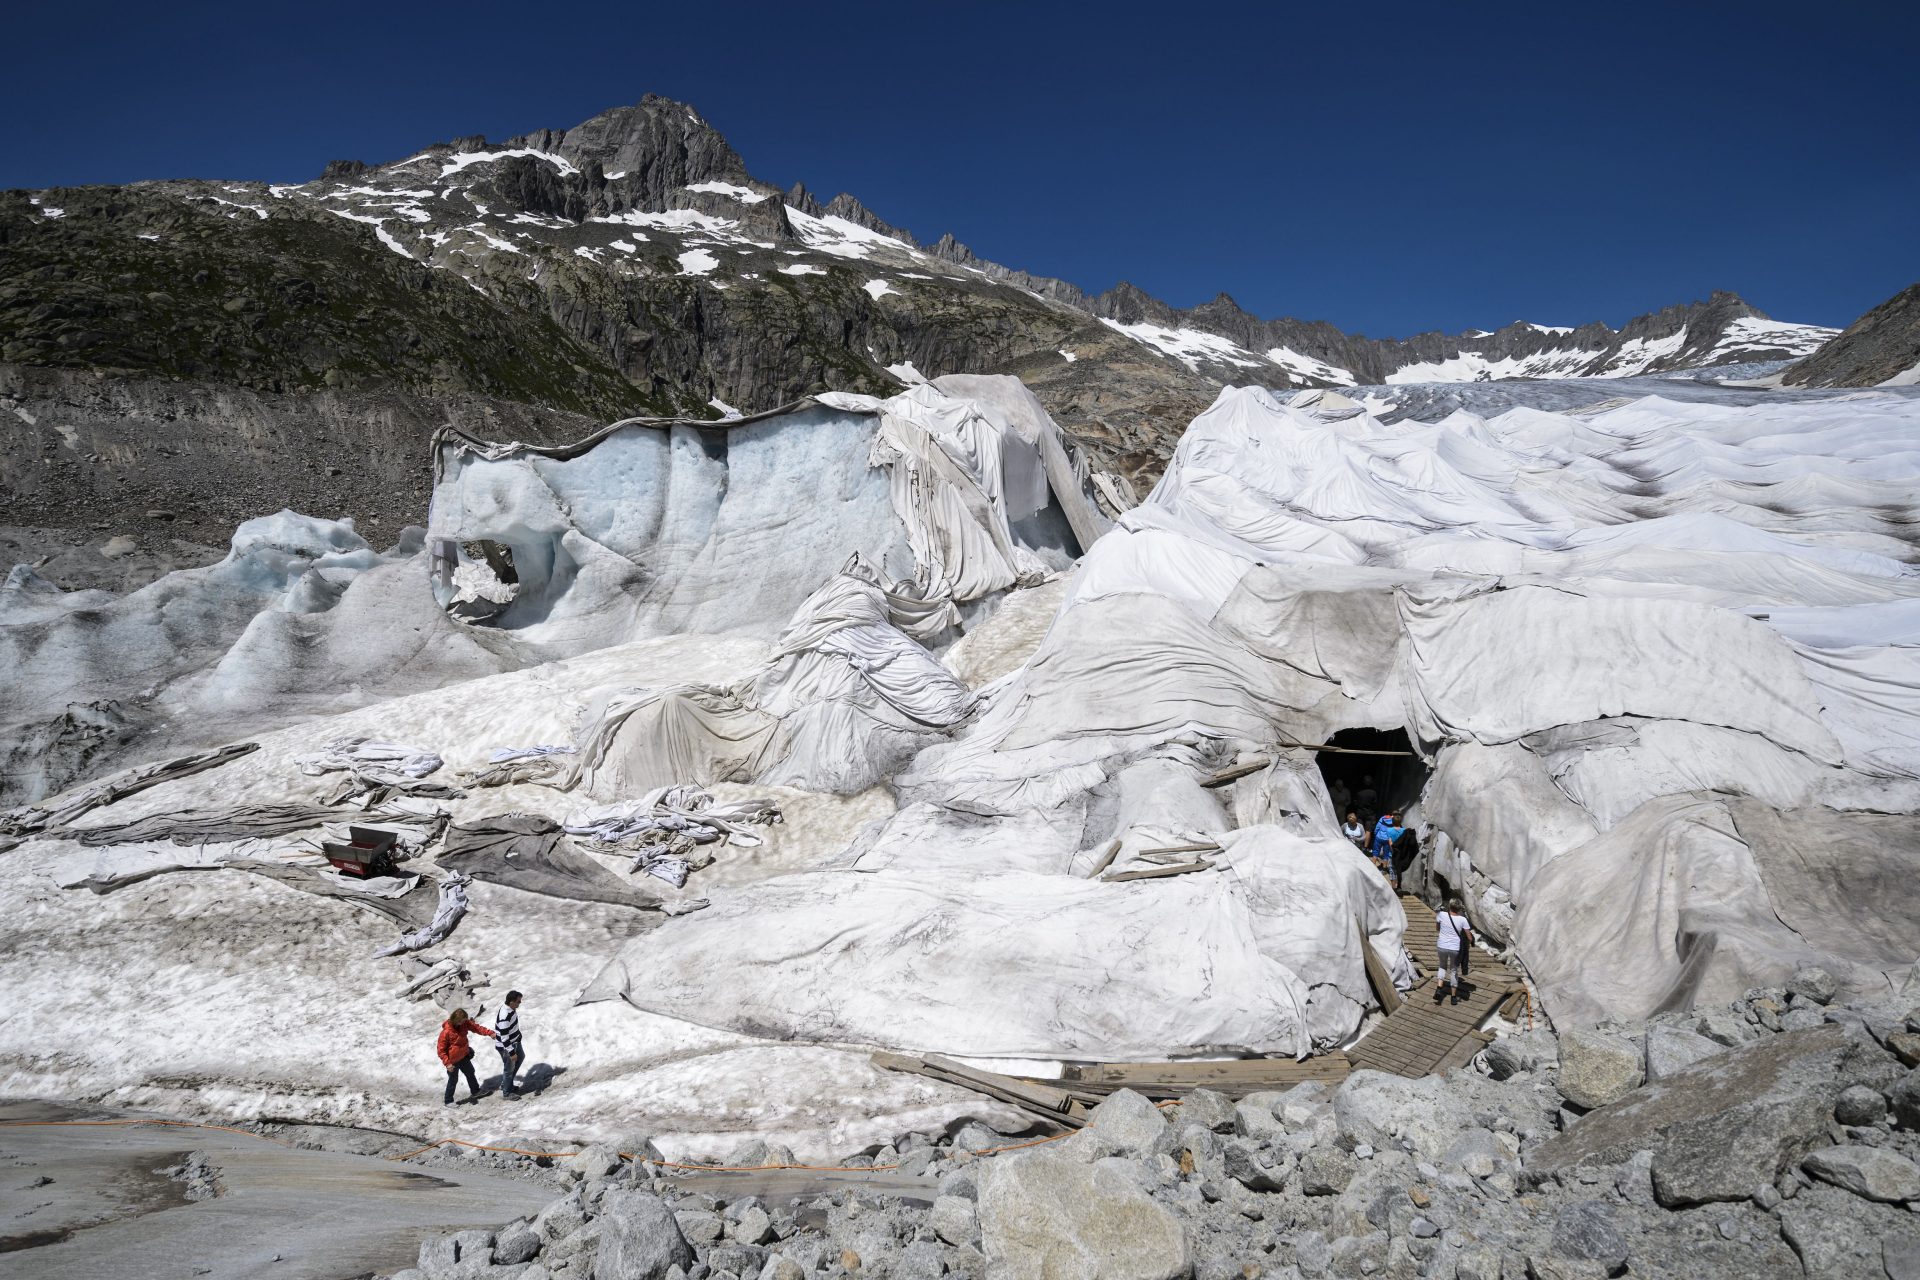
(1420, 1037)
(1417, 1038)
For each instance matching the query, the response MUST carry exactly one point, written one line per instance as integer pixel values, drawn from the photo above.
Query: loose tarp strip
(29, 819)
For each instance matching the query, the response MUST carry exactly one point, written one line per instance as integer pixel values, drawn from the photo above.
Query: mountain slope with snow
(630, 264)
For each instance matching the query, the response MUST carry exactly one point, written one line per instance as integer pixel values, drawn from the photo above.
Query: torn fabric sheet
(376, 771)
(671, 819)
(528, 852)
(447, 916)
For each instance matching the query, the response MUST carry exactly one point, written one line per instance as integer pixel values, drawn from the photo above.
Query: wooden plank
(1155, 873)
(1048, 1103)
(1238, 771)
(1105, 860)
(1207, 846)
(1377, 976)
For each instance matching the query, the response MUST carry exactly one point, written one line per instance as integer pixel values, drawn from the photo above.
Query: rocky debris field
(1776, 1136)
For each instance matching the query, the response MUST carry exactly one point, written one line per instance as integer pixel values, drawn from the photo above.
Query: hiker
(456, 1055)
(506, 1034)
(1455, 936)
(1353, 831)
(1385, 832)
(1366, 797)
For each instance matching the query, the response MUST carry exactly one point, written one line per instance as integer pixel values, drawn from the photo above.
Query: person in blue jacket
(1385, 832)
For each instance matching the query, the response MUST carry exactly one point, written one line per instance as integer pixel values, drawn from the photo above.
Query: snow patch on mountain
(745, 195)
(841, 238)
(1301, 366)
(1752, 334)
(1188, 346)
(466, 159)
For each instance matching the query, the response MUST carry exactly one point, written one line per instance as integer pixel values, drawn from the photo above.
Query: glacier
(1656, 644)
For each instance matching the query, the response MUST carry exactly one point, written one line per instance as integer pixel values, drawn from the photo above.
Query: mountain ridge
(630, 264)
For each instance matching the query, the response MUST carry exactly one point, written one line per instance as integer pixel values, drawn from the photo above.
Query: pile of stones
(1775, 1137)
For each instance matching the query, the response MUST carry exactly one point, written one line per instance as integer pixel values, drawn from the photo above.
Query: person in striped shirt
(506, 1033)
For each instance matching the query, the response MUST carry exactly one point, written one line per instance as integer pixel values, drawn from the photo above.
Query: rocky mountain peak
(1128, 303)
(656, 145)
(846, 206)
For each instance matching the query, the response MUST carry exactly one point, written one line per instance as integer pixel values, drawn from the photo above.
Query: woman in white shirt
(1353, 831)
(1455, 936)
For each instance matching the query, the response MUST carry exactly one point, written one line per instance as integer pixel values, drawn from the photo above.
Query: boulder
(781, 1267)
(1384, 1111)
(1042, 1215)
(1813, 983)
(919, 1261)
(753, 1226)
(1724, 1027)
(1254, 1118)
(1904, 1100)
(1584, 1231)
(1671, 1048)
(1599, 1067)
(1247, 1165)
(1872, 1172)
(1725, 1124)
(953, 1220)
(1207, 1109)
(1905, 1045)
(1860, 1106)
(1127, 1122)
(1326, 1172)
(700, 1227)
(1508, 1056)
(639, 1239)
(1841, 1237)
(466, 1250)
(518, 1243)
(596, 1162)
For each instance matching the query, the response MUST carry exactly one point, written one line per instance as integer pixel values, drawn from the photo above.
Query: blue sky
(1389, 168)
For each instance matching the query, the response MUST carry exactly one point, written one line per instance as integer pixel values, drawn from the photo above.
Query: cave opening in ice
(1375, 771)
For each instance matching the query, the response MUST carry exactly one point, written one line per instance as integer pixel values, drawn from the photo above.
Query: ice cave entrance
(1375, 771)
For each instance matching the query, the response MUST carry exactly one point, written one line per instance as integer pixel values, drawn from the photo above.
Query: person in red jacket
(456, 1055)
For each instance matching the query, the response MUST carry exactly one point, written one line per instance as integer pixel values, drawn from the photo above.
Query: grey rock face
(1383, 1111)
(1841, 1237)
(1585, 1232)
(1530, 1051)
(1041, 1215)
(440, 1255)
(1671, 1048)
(1326, 1172)
(1815, 983)
(1207, 1109)
(1247, 1164)
(639, 1239)
(595, 1162)
(953, 1219)
(1597, 1067)
(1128, 1122)
(1881, 344)
(1725, 1124)
(1860, 1105)
(518, 1243)
(1873, 1172)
